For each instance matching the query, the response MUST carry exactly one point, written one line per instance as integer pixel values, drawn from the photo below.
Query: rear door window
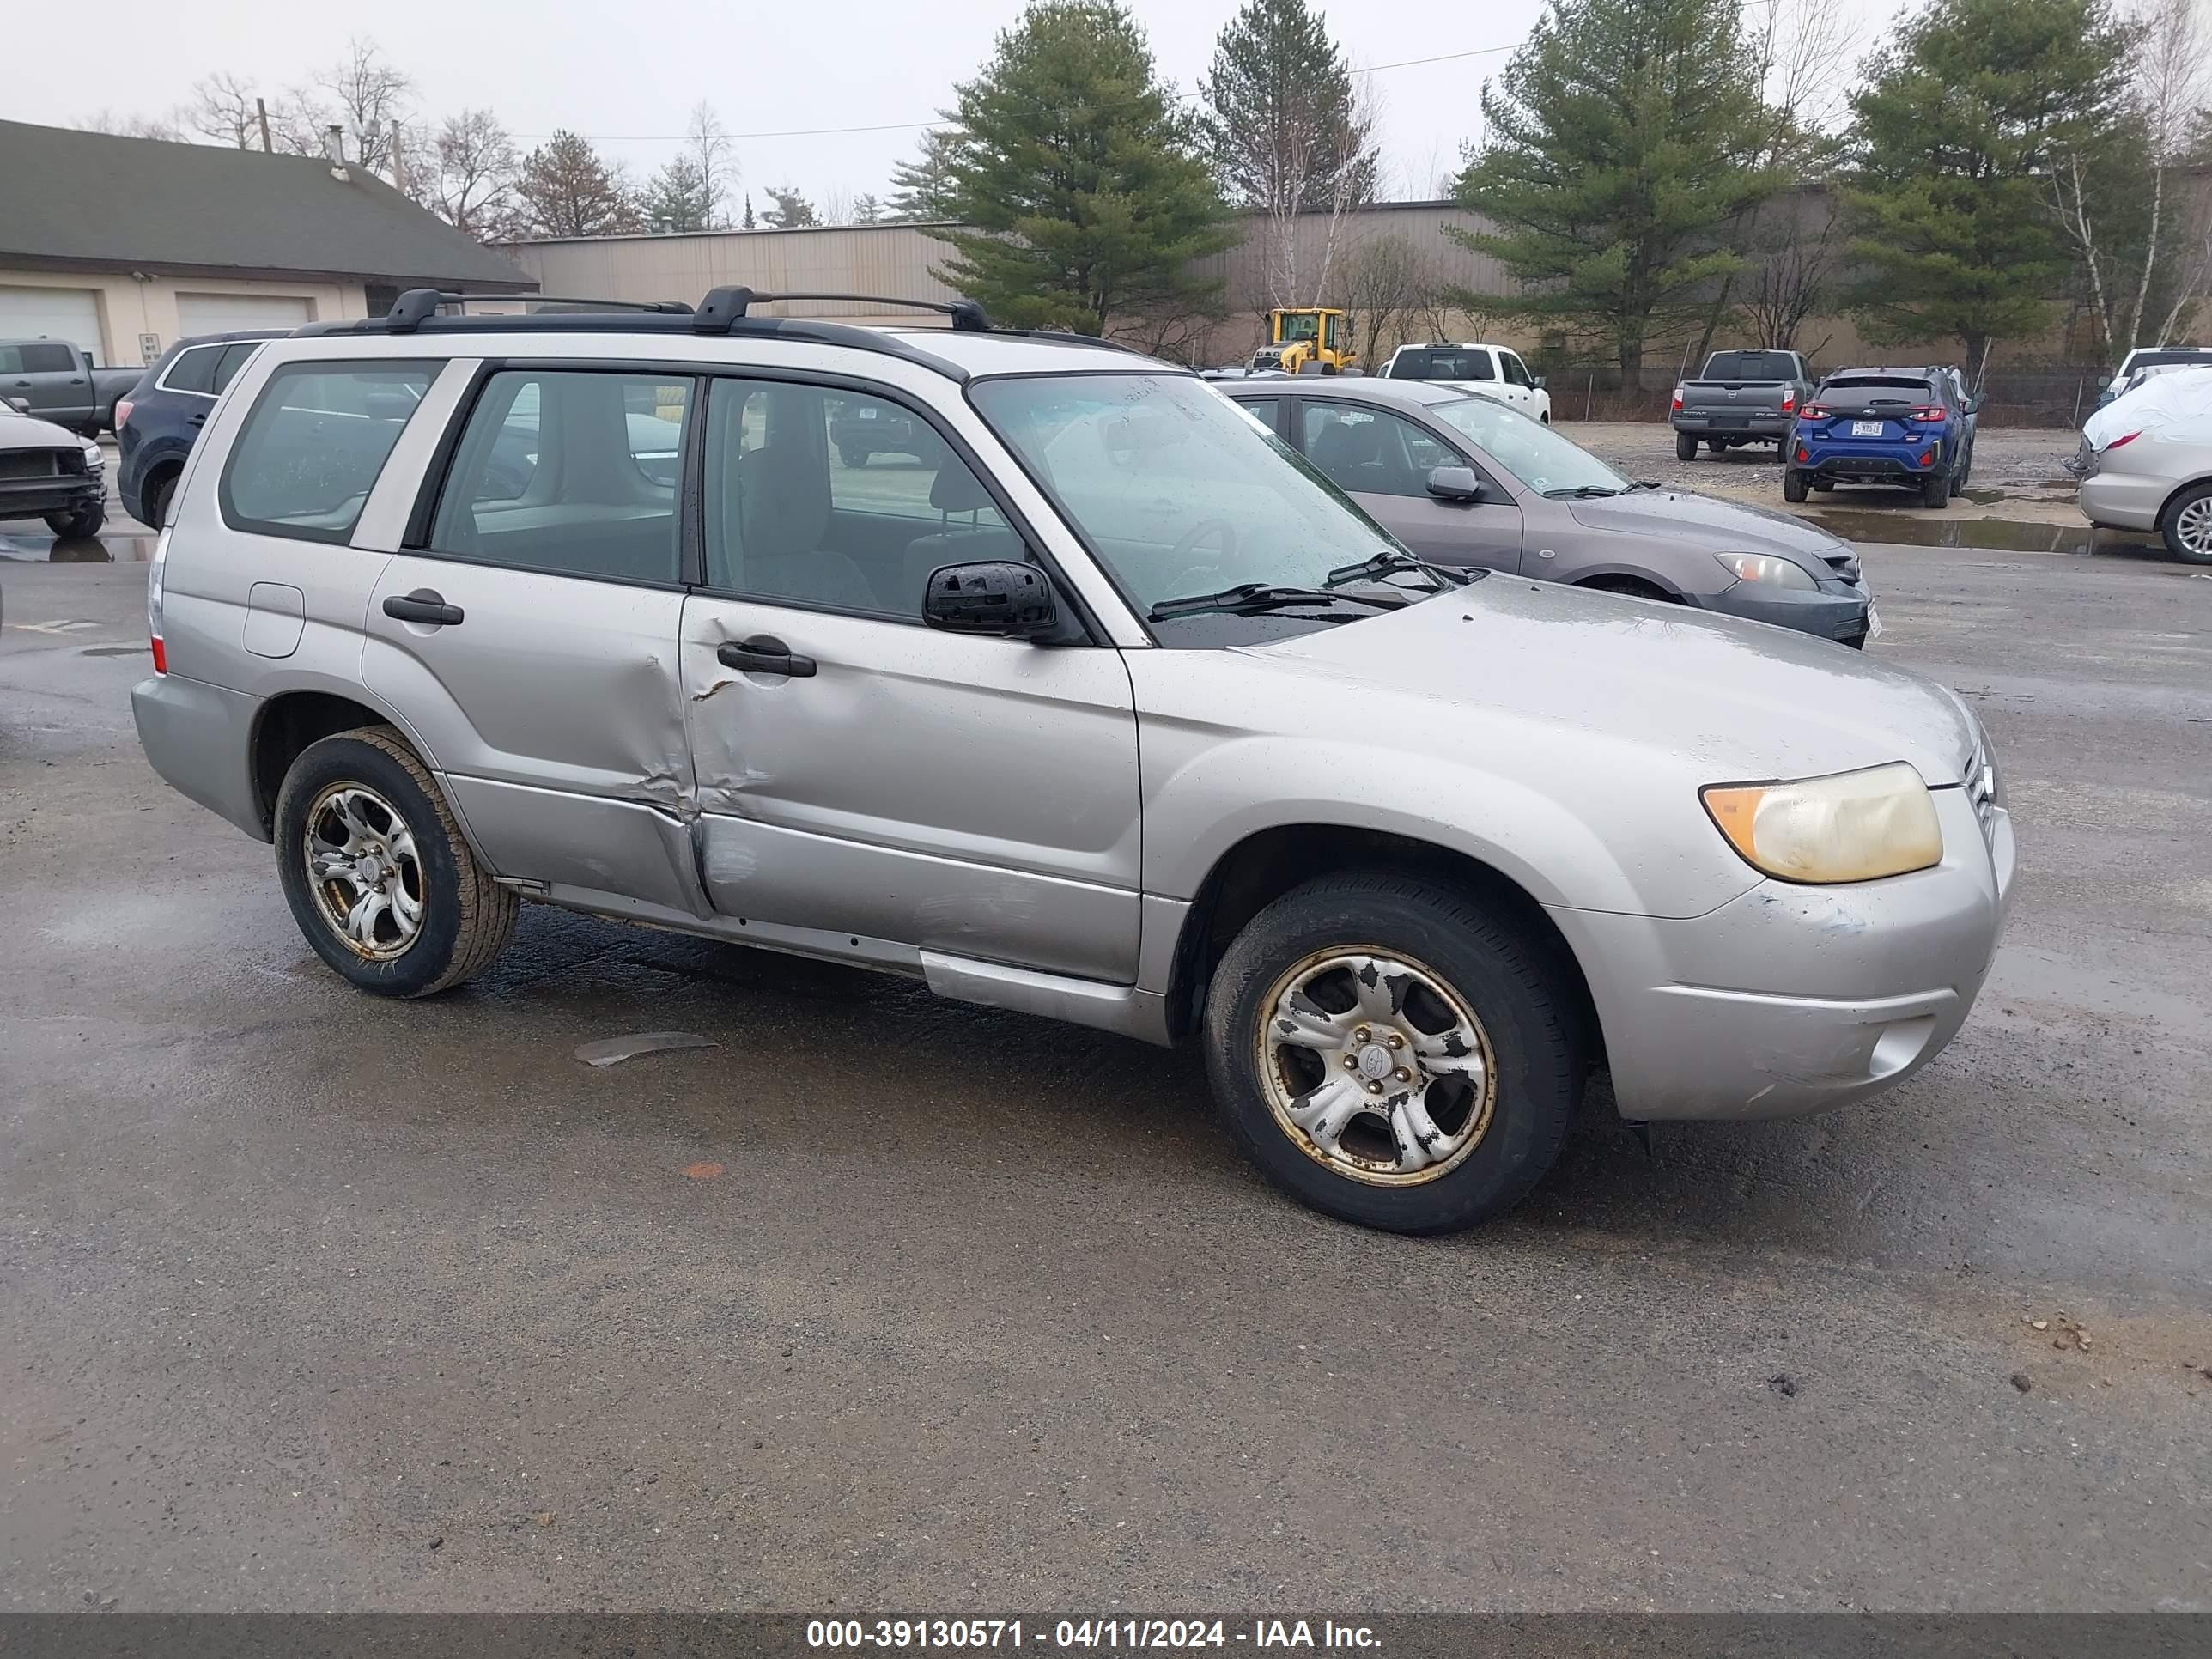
(574, 472)
(1750, 366)
(49, 358)
(194, 370)
(310, 453)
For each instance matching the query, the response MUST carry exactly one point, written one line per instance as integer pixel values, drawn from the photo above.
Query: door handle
(195, 420)
(424, 605)
(764, 654)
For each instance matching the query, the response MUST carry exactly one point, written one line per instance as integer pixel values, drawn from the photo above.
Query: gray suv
(1105, 707)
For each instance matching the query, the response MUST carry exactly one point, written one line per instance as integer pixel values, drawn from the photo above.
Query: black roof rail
(724, 305)
(1069, 336)
(411, 309)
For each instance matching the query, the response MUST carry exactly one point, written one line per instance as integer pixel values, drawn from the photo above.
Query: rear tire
(1793, 484)
(852, 455)
(75, 526)
(1936, 489)
(1686, 446)
(157, 499)
(370, 806)
(2187, 526)
(1479, 1026)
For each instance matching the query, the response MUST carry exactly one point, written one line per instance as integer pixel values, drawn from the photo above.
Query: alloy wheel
(365, 870)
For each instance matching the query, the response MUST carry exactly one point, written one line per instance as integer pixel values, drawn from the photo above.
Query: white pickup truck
(1494, 372)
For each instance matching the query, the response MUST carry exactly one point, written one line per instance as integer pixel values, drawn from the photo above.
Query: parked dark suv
(156, 424)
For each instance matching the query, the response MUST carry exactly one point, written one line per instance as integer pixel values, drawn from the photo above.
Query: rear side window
(194, 370)
(312, 449)
(49, 358)
(575, 473)
(232, 358)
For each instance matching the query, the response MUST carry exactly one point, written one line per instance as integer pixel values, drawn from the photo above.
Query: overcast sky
(626, 75)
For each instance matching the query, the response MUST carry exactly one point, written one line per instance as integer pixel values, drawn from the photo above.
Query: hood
(1708, 522)
(28, 432)
(1742, 701)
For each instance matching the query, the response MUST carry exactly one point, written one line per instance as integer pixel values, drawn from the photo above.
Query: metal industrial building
(125, 245)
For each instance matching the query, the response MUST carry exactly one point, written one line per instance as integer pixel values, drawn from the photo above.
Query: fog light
(1928, 458)
(1803, 454)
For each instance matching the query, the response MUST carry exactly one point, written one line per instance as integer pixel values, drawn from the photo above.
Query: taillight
(121, 413)
(1803, 454)
(1813, 412)
(154, 601)
(1677, 399)
(1789, 402)
(2118, 442)
(1930, 412)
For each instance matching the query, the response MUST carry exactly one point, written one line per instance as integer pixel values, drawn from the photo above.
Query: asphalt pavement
(313, 1301)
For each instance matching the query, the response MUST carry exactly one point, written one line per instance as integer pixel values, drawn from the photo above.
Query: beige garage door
(52, 313)
(220, 314)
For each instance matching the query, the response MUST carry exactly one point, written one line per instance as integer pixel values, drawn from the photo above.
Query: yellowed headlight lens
(1854, 826)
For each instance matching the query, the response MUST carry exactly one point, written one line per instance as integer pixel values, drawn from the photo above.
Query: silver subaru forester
(1092, 700)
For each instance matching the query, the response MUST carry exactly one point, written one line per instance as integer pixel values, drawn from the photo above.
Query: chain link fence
(2055, 396)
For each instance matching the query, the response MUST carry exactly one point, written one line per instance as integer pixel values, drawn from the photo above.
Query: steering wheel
(1197, 576)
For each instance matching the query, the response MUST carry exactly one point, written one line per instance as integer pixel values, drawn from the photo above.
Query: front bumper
(33, 498)
(1836, 610)
(1769, 424)
(1793, 1000)
(2123, 500)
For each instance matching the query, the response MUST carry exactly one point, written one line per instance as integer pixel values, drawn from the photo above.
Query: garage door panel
(223, 313)
(53, 314)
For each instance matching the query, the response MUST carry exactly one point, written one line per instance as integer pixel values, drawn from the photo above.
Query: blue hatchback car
(1913, 427)
(156, 424)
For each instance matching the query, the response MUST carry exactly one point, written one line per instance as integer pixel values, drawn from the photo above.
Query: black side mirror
(998, 597)
(1454, 483)
(1974, 405)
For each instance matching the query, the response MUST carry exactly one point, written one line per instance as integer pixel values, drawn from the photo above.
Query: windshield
(1529, 450)
(2194, 357)
(1300, 328)
(1750, 366)
(1173, 487)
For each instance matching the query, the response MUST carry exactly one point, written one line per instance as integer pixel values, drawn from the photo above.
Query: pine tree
(1624, 138)
(1957, 124)
(1084, 183)
(566, 190)
(748, 210)
(919, 187)
(792, 211)
(677, 197)
(1283, 124)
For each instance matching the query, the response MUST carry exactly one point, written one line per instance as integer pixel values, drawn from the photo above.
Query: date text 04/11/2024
(1107, 1634)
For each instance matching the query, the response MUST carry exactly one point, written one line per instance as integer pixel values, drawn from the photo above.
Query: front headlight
(94, 458)
(1765, 567)
(1854, 826)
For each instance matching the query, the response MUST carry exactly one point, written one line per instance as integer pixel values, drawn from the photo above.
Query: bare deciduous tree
(708, 146)
(1796, 240)
(368, 95)
(1316, 168)
(470, 168)
(135, 126)
(1386, 282)
(223, 108)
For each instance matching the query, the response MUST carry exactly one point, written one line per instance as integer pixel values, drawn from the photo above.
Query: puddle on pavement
(134, 548)
(2001, 535)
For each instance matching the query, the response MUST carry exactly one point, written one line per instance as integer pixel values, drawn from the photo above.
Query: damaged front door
(866, 778)
(531, 643)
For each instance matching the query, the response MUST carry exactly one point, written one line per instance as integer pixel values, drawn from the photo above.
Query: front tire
(1391, 1053)
(76, 527)
(377, 872)
(2187, 525)
(1686, 446)
(1793, 484)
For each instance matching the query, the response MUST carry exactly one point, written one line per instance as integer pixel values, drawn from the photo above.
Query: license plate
(1868, 428)
(1874, 623)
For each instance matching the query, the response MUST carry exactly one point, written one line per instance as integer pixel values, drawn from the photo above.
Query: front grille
(28, 464)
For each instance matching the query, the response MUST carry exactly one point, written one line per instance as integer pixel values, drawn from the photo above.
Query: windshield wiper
(1252, 598)
(1392, 561)
(1581, 492)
